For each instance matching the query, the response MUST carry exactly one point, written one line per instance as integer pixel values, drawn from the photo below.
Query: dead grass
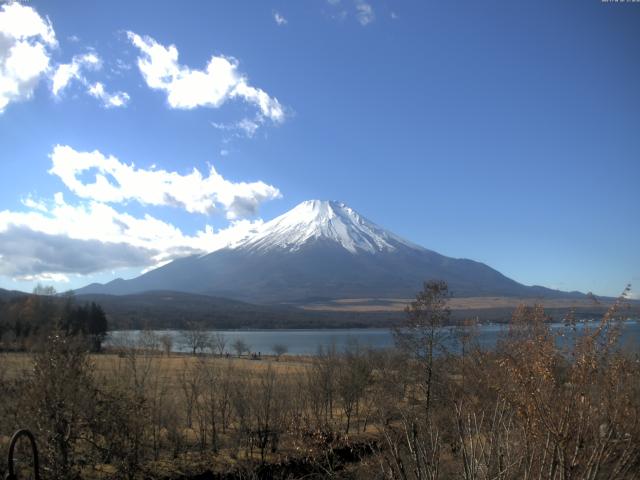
(19, 364)
(373, 305)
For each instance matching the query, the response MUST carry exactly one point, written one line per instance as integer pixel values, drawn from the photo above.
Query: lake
(307, 342)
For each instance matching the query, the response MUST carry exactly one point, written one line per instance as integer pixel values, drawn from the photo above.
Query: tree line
(28, 320)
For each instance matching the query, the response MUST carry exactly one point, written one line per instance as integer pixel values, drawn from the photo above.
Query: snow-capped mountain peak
(328, 220)
(320, 250)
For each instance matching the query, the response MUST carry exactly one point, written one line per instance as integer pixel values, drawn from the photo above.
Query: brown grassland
(544, 404)
(466, 303)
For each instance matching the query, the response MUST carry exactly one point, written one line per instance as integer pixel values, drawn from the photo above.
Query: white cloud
(109, 100)
(66, 72)
(120, 66)
(187, 88)
(25, 40)
(364, 13)
(93, 237)
(394, 16)
(29, 202)
(243, 128)
(117, 182)
(45, 277)
(25, 43)
(248, 126)
(280, 20)
(362, 10)
(29, 254)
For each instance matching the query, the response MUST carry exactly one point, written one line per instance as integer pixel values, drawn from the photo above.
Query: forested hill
(9, 294)
(175, 310)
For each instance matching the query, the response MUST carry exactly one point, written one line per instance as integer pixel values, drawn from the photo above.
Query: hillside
(175, 310)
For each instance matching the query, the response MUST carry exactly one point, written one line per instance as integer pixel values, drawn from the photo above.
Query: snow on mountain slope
(316, 219)
(321, 250)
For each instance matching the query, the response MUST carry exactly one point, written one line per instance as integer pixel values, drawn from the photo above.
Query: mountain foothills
(322, 251)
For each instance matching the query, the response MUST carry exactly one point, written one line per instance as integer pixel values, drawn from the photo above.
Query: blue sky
(506, 132)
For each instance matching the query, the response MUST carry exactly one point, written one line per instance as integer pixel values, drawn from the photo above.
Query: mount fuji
(321, 250)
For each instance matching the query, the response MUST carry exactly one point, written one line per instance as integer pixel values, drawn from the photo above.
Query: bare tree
(279, 349)
(270, 411)
(421, 334)
(225, 387)
(149, 341)
(240, 346)
(209, 403)
(260, 405)
(190, 382)
(61, 396)
(195, 338)
(158, 406)
(167, 343)
(321, 381)
(219, 343)
(354, 375)
(414, 441)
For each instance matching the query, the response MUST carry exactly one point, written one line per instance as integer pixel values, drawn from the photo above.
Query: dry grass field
(14, 365)
(372, 305)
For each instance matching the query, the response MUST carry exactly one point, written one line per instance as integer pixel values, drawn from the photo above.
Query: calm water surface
(307, 342)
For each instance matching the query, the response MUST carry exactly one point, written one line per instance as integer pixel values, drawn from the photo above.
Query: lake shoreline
(309, 341)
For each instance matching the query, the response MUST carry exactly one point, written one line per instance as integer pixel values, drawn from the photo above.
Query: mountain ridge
(322, 249)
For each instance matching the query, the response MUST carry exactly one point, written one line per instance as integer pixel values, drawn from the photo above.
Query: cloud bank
(52, 239)
(31, 255)
(117, 182)
(57, 238)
